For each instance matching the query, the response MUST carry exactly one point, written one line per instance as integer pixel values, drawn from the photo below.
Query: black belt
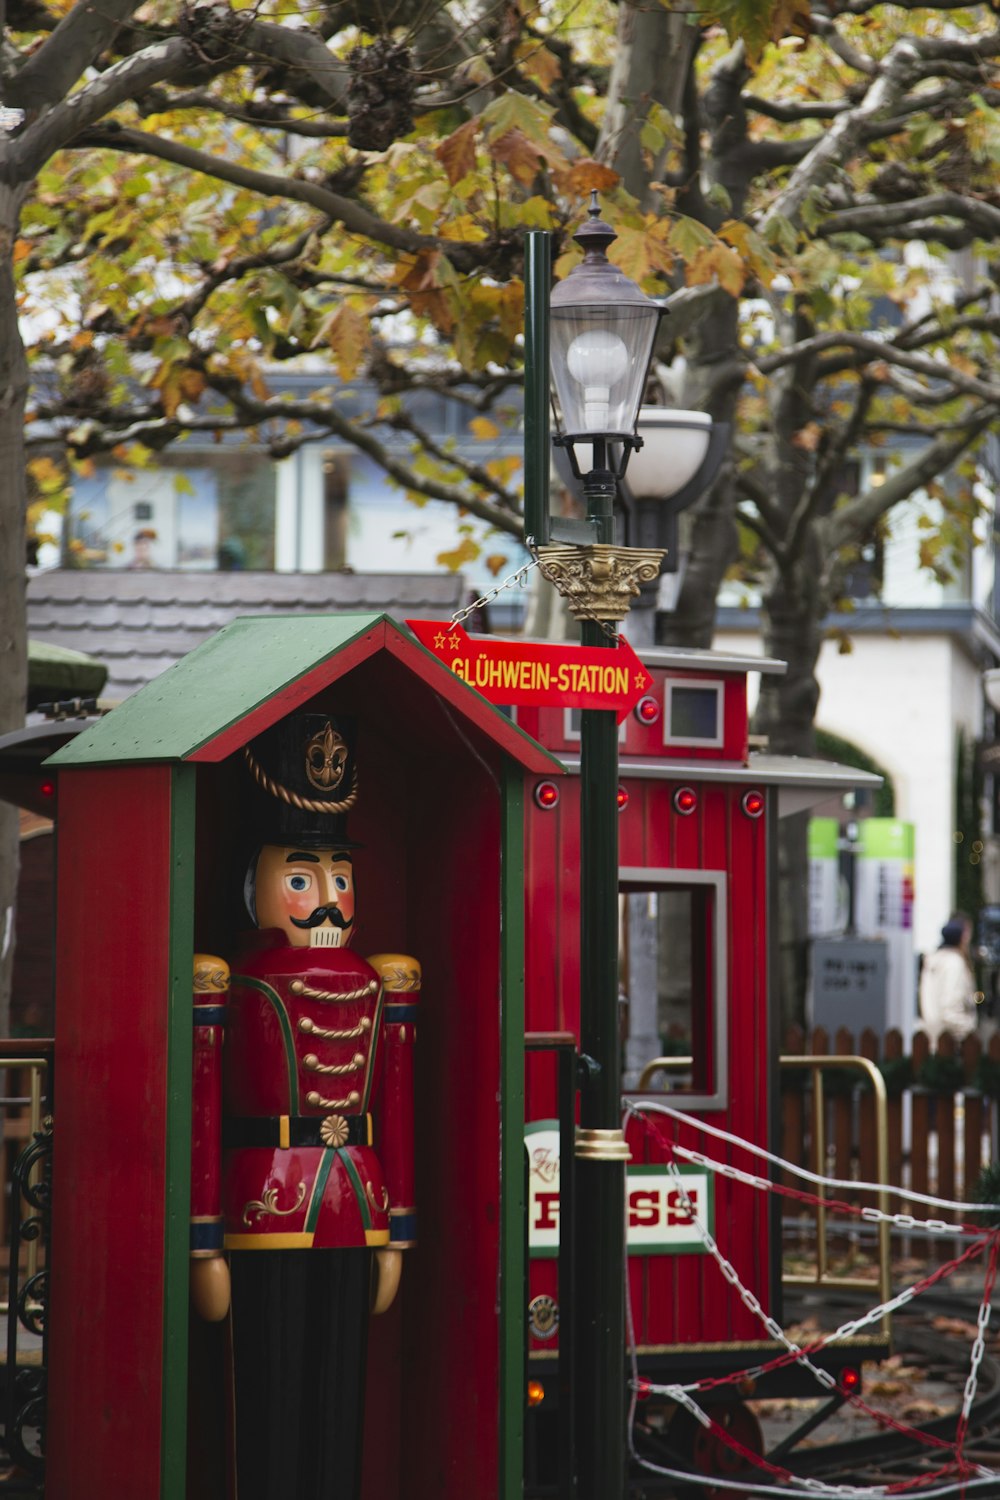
(303, 1130)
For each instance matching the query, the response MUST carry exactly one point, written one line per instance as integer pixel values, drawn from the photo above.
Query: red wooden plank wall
(106, 1342)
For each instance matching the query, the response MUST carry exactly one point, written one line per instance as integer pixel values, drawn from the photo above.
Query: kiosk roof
(256, 670)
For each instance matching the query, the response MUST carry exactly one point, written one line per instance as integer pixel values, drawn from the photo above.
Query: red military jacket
(317, 1058)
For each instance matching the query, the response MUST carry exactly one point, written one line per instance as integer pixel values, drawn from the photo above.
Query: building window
(195, 514)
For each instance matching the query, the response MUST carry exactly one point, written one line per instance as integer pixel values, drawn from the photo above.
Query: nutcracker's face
(308, 893)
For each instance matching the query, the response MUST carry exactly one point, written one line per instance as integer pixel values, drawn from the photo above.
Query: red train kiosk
(150, 812)
(698, 815)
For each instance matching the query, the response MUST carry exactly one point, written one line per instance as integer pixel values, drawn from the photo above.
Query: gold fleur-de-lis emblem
(326, 759)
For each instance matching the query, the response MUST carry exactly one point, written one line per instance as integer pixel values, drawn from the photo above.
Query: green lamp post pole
(601, 330)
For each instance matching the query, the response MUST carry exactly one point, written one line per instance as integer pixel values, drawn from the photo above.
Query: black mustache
(321, 914)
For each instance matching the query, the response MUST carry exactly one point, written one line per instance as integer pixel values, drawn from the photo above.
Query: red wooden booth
(697, 879)
(148, 817)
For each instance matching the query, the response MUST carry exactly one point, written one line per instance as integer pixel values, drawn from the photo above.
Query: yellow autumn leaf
(457, 152)
(45, 472)
(641, 254)
(512, 309)
(347, 332)
(539, 64)
(466, 551)
(496, 562)
(502, 469)
(808, 437)
(484, 429)
(463, 227)
(522, 158)
(716, 262)
(587, 174)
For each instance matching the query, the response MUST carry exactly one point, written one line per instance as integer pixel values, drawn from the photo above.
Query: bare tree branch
(878, 217)
(891, 78)
(61, 124)
(855, 520)
(354, 218)
(880, 350)
(47, 76)
(265, 114)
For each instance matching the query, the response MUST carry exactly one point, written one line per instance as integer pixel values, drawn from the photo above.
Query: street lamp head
(675, 445)
(602, 331)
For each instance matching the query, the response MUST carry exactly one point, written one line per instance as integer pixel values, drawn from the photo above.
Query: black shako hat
(305, 775)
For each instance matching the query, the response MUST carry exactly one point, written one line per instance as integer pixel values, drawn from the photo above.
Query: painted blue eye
(341, 882)
(299, 882)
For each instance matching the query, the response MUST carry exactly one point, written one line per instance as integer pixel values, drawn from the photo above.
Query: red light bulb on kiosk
(685, 800)
(647, 710)
(753, 804)
(546, 795)
(622, 798)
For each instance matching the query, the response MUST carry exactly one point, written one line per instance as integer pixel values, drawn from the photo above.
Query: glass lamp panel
(674, 445)
(600, 356)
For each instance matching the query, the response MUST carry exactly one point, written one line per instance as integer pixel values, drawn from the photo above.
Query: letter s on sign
(676, 1212)
(643, 1209)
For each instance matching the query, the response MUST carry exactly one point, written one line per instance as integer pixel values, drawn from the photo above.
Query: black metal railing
(26, 1165)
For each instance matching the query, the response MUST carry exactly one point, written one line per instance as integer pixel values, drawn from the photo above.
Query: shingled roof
(140, 623)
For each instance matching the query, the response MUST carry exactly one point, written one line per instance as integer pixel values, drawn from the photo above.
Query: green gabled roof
(202, 702)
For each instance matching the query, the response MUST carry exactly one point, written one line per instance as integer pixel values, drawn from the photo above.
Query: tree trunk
(653, 53)
(714, 544)
(792, 631)
(13, 629)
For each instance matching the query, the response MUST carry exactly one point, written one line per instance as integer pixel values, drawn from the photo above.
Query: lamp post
(601, 332)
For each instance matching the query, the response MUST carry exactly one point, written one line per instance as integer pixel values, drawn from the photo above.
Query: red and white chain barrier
(965, 1478)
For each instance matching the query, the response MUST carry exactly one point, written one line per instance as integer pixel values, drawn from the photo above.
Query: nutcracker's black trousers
(300, 1335)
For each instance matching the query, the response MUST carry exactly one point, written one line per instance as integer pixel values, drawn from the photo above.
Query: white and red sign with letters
(658, 1219)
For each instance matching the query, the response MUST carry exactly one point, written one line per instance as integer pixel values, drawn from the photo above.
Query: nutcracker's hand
(210, 1290)
(385, 1279)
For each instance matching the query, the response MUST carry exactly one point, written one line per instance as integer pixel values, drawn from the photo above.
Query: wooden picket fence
(942, 1120)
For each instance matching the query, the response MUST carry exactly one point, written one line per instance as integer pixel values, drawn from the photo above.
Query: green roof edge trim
(195, 691)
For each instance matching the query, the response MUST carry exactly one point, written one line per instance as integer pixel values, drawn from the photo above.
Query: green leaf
(512, 111)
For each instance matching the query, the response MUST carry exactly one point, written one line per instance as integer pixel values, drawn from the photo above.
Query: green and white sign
(659, 1221)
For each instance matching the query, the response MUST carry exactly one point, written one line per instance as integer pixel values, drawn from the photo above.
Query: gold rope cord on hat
(305, 804)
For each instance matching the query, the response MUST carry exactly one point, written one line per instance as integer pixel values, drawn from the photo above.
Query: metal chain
(651, 1106)
(969, 1476)
(979, 1346)
(846, 1330)
(869, 1214)
(518, 579)
(509, 582)
(681, 1394)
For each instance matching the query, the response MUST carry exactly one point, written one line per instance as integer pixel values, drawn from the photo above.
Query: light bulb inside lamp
(597, 360)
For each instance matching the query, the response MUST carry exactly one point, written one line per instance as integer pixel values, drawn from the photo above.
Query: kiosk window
(670, 983)
(693, 713)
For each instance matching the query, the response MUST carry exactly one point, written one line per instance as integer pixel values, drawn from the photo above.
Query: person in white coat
(947, 984)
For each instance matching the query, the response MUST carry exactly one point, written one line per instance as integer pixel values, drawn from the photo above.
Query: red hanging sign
(537, 675)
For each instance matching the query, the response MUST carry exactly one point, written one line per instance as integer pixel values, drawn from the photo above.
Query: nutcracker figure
(302, 1180)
